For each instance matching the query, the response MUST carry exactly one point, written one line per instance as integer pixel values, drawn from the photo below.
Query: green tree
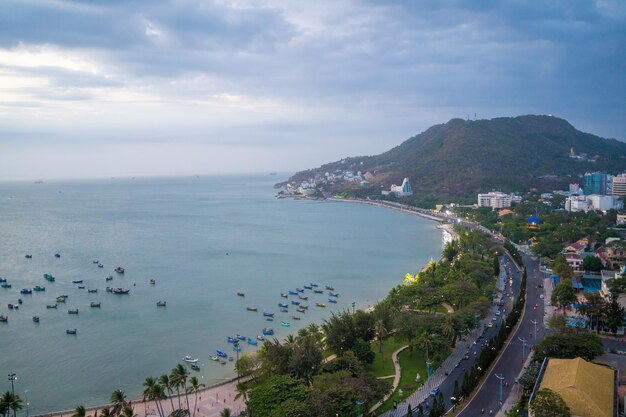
(79, 411)
(564, 294)
(118, 401)
(548, 403)
(151, 392)
(10, 402)
(420, 411)
(409, 411)
(592, 263)
(194, 387)
(562, 268)
(306, 359)
(164, 381)
(363, 325)
(178, 378)
(340, 332)
(347, 362)
(363, 351)
(528, 380)
(270, 394)
(225, 412)
(614, 313)
(568, 346)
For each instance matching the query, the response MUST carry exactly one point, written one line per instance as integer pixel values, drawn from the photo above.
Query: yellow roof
(586, 388)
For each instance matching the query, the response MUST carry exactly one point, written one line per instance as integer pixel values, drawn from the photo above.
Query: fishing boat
(95, 261)
(283, 305)
(109, 289)
(333, 294)
(215, 358)
(308, 287)
(268, 331)
(69, 331)
(100, 266)
(252, 309)
(318, 291)
(39, 288)
(221, 354)
(161, 304)
(284, 310)
(252, 342)
(75, 311)
(300, 310)
(28, 256)
(109, 278)
(3, 279)
(11, 306)
(266, 314)
(223, 363)
(120, 270)
(57, 255)
(295, 303)
(35, 319)
(295, 317)
(320, 305)
(152, 281)
(49, 277)
(329, 288)
(260, 338)
(95, 304)
(60, 299)
(5, 285)
(302, 297)
(81, 287)
(240, 337)
(195, 367)
(20, 301)
(95, 290)
(189, 359)
(4, 319)
(285, 324)
(314, 285)
(240, 294)
(236, 348)
(231, 339)
(121, 291)
(78, 281)
(305, 307)
(230, 359)
(26, 291)
(269, 318)
(299, 290)
(284, 294)
(51, 306)
(293, 292)
(332, 300)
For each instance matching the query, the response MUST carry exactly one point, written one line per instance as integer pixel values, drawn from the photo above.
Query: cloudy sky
(119, 88)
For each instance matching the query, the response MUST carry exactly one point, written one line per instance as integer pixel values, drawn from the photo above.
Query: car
(536, 305)
(490, 324)
(494, 319)
(540, 286)
(541, 296)
(497, 313)
(434, 391)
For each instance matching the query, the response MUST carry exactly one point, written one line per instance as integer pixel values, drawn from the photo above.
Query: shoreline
(210, 404)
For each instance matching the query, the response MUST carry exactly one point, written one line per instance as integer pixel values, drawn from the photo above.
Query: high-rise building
(497, 199)
(619, 185)
(596, 183)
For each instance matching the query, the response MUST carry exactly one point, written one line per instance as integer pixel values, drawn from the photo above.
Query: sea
(202, 239)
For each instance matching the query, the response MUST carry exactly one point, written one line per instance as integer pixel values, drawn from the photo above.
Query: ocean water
(202, 239)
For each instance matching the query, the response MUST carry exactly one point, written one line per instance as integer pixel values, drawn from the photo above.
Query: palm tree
(79, 411)
(195, 387)
(10, 401)
(225, 412)
(164, 380)
(151, 392)
(290, 340)
(106, 412)
(178, 376)
(118, 398)
(449, 329)
(128, 412)
(242, 391)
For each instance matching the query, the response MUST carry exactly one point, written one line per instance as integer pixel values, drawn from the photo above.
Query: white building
(619, 185)
(497, 199)
(403, 190)
(621, 219)
(592, 202)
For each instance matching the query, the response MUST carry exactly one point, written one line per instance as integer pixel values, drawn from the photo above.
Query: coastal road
(510, 361)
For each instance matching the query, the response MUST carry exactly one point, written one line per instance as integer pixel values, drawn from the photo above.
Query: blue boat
(236, 348)
(3, 279)
(333, 294)
(19, 301)
(284, 310)
(332, 300)
(328, 287)
(308, 287)
(57, 255)
(295, 303)
(266, 314)
(252, 342)
(314, 285)
(26, 291)
(230, 359)
(232, 340)
(221, 354)
(268, 332)
(299, 290)
(195, 367)
(78, 281)
(293, 292)
(282, 305)
(240, 337)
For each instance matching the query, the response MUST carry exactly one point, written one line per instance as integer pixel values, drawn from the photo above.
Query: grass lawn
(410, 363)
(382, 365)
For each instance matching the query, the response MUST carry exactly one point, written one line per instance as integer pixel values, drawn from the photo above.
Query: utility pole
(461, 332)
(534, 322)
(359, 403)
(501, 378)
(13, 377)
(521, 339)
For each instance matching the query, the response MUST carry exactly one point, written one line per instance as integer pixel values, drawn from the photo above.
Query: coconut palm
(10, 401)
(178, 378)
(194, 386)
(242, 391)
(151, 392)
(118, 399)
(164, 380)
(128, 411)
(79, 411)
(449, 329)
(226, 412)
(106, 412)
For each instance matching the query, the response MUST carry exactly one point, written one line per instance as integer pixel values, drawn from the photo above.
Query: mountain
(463, 157)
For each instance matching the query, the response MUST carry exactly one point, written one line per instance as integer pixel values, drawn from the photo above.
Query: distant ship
(272, 173)
(39, 182)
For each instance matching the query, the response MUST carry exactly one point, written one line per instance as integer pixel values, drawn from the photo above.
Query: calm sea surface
(203, 240)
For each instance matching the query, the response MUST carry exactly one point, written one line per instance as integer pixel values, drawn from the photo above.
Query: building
(574, 188)
(616, 254)
(621, 219)
(588, 389)
(574, 260)
(592, 202)
(497, 200)
(403, 190)
(576, 203)
(619, 185)
(596, 183)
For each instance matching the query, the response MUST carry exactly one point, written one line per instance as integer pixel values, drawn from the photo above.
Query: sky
(182, 87)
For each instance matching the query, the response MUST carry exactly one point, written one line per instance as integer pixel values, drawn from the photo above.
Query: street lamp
(353, 305)
(27, 403)
(501, 378)
(13, 377)
(521, 339)
(359, 403)
(428, 363)
(461, 332)
(534, 322)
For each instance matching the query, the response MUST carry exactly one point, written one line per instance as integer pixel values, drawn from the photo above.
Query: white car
(541, 296)
(497, 313)
(493, 319)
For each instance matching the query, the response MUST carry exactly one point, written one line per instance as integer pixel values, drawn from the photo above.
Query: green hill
(462, 157)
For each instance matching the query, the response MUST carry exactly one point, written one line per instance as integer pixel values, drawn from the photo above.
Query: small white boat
(189, 359)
